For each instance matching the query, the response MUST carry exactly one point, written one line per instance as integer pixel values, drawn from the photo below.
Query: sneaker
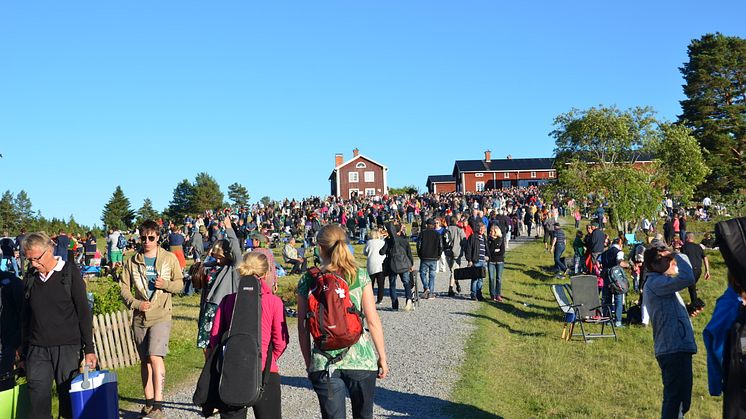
(408, 306)
(426, 294)
(156, 413)
(618, 325)
(431, 296)
(450, 292)
(145, 410)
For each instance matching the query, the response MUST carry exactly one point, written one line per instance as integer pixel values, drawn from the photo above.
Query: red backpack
(332, 319)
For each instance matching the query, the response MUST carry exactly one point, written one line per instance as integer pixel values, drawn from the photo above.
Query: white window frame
(370, 191)
(369, 176)
(479, 186)
(551, 173)
(360, 165)
(353, 177)
(506, 175)
(478, 174)
(533, 175)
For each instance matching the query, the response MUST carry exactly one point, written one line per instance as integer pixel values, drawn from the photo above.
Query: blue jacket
(715, 335)
(672, 328)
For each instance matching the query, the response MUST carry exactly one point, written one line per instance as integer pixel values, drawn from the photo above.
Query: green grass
(518, 367)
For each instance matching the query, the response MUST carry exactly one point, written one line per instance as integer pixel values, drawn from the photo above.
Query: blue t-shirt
(152, 274)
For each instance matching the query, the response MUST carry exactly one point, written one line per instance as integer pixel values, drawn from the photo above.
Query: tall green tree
(8, 213)
(715, 107)
(117, 213)
(146, 211)
(182, 203)
(238, 194)
(207, 194)
(265, 201)
(680, 161)
(23, 207)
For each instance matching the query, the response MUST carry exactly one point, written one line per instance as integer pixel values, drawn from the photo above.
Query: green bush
(106, 297)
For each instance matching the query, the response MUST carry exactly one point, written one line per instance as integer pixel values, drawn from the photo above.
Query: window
(480, 186)
(551, 173)
(533, 175)
(354, 193)
(353, 177)
(370, 176)
(478, 174)
(506, 175)
(360, 165)
(370, 191)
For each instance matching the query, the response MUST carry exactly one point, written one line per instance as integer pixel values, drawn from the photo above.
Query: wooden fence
(114, 340)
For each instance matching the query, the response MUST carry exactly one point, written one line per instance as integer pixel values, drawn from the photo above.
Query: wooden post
(110, 339)
(115, 329)
(130, 336)
(100, 350)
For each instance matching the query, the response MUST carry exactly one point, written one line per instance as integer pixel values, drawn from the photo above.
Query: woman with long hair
(274, 330)
(375, 262)
(358, 369)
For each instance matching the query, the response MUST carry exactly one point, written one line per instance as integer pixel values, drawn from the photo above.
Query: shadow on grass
(187, 318)
(503, 325)
(406, 403)
(134, 414)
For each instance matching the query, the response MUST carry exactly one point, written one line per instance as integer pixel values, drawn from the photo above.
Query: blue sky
(143, 94)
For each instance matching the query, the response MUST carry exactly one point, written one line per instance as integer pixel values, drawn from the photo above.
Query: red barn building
(358, 176)
(441, 184)
(481, 175)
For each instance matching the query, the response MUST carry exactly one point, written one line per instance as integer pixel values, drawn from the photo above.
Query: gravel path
(425, 349)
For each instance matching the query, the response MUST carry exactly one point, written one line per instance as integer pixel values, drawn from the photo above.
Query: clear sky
(143, 94)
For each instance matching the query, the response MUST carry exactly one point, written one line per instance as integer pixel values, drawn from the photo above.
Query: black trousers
(693, 288)
(44, 364)
(298, 267)
(268, 407)
(379, 279)
(676, 372)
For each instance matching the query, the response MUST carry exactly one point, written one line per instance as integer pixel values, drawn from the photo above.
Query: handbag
(471, 272)
(14, 401)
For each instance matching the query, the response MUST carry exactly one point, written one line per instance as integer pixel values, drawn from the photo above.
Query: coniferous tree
(8, 214)
(207, 195)
(147, 212)
(117, 213)
(23, 208)
(182, 203)
(238, 194)
(715, 107)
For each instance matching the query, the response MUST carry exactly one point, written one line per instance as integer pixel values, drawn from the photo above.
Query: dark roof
(497, 165)
(440, 178)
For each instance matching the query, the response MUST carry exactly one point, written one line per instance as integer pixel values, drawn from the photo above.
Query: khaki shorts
(153, 340)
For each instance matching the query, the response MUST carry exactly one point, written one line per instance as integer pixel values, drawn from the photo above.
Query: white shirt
(58, 267)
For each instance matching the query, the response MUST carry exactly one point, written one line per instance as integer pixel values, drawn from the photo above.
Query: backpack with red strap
(332, 319)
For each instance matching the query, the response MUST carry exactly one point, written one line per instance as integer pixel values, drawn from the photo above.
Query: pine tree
(117, 213)
(182, 203)
(715, 108)
(207, 195)
(23, 208)
(8, 213)
(147, 212)
(238, 194)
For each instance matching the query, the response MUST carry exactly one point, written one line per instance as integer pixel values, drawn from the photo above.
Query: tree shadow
(186, 318)
(135, 414)
(408, 404)
(503, 325)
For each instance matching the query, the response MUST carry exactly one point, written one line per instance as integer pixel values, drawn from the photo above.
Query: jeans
(410, 217)
(676, 372)
(476, 284)
(618, 302)
(559, 249)
(428, 269)
(405, 278)
(360, 384)
(188, 287)
(682, 235)
(363, 233)
(495, 271)
(44, 364)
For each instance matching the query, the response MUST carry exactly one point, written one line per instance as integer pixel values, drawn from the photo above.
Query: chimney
(510, 157)
(487, 156)
(338, 159)
(355, 152)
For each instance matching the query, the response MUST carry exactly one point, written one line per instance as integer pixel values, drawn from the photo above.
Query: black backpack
(233, 375)
(399, 263)
(730, 237)
(447, 242)
(734, 368)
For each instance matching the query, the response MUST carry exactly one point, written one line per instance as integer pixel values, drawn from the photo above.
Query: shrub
(106, 297)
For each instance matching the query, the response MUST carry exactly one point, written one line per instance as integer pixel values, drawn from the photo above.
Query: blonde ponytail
(254, 263)
(333, 248)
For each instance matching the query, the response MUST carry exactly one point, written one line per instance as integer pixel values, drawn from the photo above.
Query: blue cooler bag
(94, 395)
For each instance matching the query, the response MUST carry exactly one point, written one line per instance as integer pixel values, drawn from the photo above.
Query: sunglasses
(149, 238)
(37, 259)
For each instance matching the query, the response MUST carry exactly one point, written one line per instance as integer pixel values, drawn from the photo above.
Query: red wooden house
(358, 176)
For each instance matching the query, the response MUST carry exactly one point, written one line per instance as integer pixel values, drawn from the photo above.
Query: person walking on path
(155, 275)
(429, 249)
(374, 263)
(274, 330)
(365, 360)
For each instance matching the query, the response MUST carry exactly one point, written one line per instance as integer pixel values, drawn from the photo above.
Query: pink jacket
(274, 326)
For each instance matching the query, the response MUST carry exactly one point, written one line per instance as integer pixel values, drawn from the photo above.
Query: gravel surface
(425, 349)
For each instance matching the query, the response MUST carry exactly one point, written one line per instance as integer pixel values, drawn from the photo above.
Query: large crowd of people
(451, 231)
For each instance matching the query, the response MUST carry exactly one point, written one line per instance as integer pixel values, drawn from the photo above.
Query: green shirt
(362, 355)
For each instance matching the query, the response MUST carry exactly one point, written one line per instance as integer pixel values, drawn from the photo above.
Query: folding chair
(631, 239)
(588, 308)
(565, 304)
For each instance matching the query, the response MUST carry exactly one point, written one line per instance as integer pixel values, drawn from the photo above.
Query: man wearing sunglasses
(149, 279)
(57, 326)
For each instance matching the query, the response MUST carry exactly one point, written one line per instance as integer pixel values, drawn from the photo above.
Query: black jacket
(471, 251)
(496, 247)
(429, 245)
